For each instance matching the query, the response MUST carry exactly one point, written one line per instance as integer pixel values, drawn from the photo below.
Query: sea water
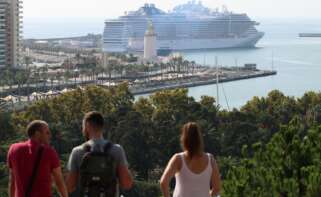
(297, 60)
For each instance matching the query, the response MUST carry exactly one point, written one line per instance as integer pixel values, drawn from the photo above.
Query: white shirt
(190, 184)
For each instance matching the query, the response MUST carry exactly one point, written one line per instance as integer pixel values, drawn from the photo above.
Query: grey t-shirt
(97, 145)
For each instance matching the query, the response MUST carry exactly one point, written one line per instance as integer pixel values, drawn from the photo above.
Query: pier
(311, 35)
(189, 82)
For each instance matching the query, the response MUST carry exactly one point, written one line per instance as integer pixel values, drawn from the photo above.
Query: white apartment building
(10, 32)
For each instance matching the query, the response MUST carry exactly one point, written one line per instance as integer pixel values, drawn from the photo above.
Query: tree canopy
(269, 147)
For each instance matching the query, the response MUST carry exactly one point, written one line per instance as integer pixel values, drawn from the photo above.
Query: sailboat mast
(272, 60)
(217, 81)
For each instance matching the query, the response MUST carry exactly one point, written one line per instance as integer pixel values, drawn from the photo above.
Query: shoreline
(205, 77)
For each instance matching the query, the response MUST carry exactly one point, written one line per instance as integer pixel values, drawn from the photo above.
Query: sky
(42, 9)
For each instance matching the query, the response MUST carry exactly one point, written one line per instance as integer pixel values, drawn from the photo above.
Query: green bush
(289, 165)
(143, 189)
(259, 150)
(3, 180)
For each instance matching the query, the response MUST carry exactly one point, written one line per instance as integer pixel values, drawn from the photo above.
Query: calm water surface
(297, 60)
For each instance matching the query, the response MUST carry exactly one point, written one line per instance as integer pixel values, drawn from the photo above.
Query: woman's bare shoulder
(177, 157)
(177, 160)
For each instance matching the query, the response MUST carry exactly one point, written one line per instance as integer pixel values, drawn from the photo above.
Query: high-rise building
(10, 32)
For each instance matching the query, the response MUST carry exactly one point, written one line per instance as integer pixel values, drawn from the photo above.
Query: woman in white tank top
(196, 172)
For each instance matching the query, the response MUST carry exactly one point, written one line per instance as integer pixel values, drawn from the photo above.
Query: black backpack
(98, 173)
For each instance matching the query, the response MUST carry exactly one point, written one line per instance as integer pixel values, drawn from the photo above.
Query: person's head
(38, 130)
(93, 125)
(192, 139)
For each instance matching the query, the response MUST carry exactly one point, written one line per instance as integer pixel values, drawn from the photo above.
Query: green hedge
(143, 189)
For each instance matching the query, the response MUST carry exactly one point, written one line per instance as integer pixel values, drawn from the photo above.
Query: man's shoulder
(22, 143)
(117, 150)
(117, 147)
(18, 145)
(119, 154)
(78, 149)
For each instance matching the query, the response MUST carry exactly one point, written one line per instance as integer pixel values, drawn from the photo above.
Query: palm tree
(28, 73)
(75, 74)
(51, 78)
(27, 60)
(2, 81)
(148, 67)
(8, 75)
(179, 64)
(44, 76)
(162, 65)
(112, 62)
(120, 69)
(193, 67)
(78, 57)
(82, 73)
(20, 77)
(67, 75)
(36, 76)
(58, 78)
(99, 69)
(186, 66)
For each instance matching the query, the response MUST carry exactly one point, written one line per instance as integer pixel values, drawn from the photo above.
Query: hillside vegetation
(269, 147)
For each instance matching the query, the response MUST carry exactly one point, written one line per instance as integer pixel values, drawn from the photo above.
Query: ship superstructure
(191, 26)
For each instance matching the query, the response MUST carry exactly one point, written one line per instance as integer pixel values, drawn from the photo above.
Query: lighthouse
(150, 48)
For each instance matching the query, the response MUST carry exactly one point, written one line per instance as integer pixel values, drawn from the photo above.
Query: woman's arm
(169, 173)
(215, 179)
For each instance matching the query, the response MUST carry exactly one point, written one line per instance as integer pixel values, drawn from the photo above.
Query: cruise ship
(190, 26)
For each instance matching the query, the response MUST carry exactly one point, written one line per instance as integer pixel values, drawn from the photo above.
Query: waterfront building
(150, 40)
(10, 32)
(190, 26)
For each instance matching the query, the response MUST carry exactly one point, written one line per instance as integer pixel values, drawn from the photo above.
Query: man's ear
(37, 133)
(88, 126)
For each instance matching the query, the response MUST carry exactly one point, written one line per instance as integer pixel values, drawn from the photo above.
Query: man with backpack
(33, 163)
(97, 168)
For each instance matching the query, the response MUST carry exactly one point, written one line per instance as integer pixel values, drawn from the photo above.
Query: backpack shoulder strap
(34, 171)
(107, 147)
(87, 148)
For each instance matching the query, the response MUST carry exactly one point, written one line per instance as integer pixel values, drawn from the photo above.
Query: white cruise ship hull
(180, 31)
(194, 44)
(199, 44)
